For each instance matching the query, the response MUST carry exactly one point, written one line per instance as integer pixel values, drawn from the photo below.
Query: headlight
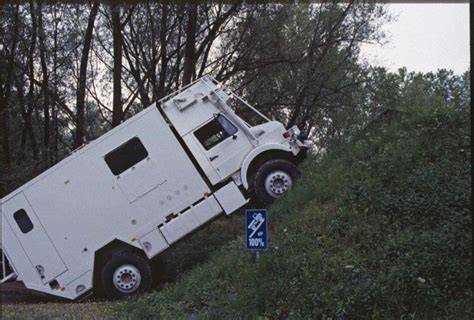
(293, 132)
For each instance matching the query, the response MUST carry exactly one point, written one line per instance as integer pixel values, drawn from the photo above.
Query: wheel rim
(127, 278)
(277, 183)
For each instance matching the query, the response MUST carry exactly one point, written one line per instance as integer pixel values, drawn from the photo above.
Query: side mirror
(234, 137)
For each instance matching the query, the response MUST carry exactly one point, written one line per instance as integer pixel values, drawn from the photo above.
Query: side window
(125, 156)
(23, 221)
(215, 131)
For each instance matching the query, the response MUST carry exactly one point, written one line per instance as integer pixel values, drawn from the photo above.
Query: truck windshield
(247, 113)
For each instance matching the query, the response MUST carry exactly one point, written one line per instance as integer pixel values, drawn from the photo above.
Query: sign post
(256, 230)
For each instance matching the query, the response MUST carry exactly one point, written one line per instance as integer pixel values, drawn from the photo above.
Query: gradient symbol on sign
(256, 229)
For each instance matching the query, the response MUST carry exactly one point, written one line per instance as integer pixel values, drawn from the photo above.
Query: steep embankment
(378, 228)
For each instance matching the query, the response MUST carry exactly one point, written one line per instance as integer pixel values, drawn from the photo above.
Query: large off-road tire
(273, 179)
(126, 274)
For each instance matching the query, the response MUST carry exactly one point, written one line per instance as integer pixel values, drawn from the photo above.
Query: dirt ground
(21, 303)
(15, 292)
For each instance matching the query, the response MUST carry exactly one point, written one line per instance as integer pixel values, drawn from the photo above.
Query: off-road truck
(97, 217)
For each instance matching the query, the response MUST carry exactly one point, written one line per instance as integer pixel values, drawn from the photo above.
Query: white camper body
(143, 185)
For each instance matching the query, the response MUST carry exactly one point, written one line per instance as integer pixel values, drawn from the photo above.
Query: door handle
(214, 157)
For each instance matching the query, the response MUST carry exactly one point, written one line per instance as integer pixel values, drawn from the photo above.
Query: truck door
(224, 146)
(33, 238)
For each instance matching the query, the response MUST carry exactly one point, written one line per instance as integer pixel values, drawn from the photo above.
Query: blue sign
(256, 229)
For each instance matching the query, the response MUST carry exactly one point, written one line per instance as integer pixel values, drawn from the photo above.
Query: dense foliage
(71, 71)
(377, 228)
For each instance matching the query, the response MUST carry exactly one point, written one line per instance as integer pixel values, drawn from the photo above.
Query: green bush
(377, 228)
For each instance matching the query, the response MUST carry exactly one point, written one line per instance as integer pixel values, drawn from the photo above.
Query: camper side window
(126, 156)
(215, 131)
(23, 221)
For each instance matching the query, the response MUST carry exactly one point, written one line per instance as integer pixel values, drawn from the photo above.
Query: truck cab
(97, 218)
(226, 146)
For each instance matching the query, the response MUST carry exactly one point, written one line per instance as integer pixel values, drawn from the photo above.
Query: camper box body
(146, 183)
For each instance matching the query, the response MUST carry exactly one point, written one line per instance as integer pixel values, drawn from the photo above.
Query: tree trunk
(26, 130)
(178, 46)
(31, 90)
(190, 47)
(81, 86)
(53, 106)
(45, 86)
(117, 112)
(21, 103)
(163, 53)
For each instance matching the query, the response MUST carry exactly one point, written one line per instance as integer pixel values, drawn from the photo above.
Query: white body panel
(79, 205)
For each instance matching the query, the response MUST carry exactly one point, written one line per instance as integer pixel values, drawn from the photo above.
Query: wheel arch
(104, 253)
(261, 154)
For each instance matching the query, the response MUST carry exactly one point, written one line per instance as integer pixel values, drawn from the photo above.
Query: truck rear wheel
(126, 274)
(273, 179)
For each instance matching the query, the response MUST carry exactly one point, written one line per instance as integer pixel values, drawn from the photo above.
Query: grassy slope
(379, 228)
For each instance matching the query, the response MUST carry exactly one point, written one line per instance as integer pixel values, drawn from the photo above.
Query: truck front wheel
(126, 274)
(273, 179)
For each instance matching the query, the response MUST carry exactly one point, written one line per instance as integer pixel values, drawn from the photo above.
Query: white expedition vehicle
(99, 215)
